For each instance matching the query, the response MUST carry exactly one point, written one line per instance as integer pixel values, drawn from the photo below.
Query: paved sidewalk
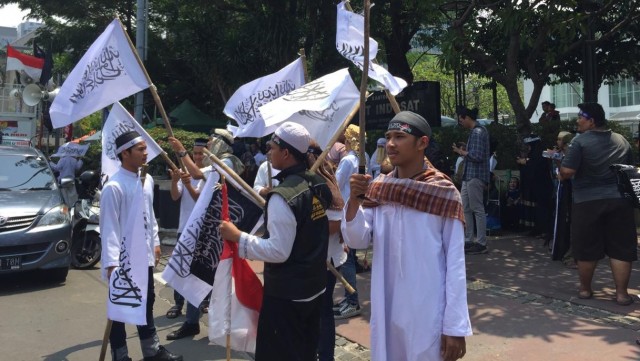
(523, 306)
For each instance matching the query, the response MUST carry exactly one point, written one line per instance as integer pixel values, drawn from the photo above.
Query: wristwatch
(182, 154)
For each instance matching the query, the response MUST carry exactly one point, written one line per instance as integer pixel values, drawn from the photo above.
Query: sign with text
(421, 97)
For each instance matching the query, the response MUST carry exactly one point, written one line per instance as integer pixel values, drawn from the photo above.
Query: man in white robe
(261, 183)
(116, 209)
(414, 216)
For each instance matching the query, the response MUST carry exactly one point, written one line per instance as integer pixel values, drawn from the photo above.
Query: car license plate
(10, 263)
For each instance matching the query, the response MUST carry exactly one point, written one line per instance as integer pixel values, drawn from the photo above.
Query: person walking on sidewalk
(602, 221)
(415, 217)
(294, 251)
(475, 179)
(115, 211)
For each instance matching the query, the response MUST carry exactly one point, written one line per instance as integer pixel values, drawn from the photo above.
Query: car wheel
(56, 275)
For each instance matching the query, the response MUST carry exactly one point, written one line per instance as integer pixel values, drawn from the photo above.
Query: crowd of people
(419, 220)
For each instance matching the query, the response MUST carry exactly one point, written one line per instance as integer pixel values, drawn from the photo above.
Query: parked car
(446, 121)
(35, 224)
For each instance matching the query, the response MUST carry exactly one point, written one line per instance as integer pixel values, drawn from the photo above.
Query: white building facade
(621, 100)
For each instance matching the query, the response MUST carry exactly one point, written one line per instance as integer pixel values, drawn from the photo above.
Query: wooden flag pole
(105, 340)
(340, 278)
(363, 90)
(156, 98)
(335, 137)
(256, 197)
(303, 57)
(392, 99)
(152, 87)
(269, 172)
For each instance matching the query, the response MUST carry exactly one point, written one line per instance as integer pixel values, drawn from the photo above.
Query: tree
(480, 92)
(538, 40)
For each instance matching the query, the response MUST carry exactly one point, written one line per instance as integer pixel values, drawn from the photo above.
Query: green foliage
(508, 41)
(479, 89)
(87, 124)
(157, 167)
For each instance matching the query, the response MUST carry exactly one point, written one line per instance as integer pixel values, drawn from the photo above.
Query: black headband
(410, 123)
(405, 127)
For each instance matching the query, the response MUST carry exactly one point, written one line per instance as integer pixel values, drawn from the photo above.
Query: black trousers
(118, 336)
(288, 330)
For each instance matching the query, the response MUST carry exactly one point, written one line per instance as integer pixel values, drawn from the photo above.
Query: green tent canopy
(186, 116)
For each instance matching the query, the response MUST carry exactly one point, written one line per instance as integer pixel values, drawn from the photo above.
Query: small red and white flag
(18, 61)
(236, 298)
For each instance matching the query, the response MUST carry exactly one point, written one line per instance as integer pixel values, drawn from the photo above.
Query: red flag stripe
(247, 284)
(26, 60)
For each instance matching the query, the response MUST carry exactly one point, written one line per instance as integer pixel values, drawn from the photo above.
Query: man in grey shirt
(602, 222)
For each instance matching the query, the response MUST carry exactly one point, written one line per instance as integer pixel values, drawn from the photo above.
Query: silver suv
(35, 225)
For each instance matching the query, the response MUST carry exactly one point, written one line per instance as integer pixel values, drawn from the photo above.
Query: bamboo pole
(105, 340)
(392, 99)
(340, 278)
(156, 97)
(256, 197)
(335, 137)
(269, 172)
(362, 165)
(303, 57)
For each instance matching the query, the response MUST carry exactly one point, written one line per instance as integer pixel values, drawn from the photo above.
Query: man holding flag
(418, 287)
(294, 251)
(130, 250)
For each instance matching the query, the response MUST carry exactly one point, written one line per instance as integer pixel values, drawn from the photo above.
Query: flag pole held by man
(412, 295)
(130, 250)
(294, 250)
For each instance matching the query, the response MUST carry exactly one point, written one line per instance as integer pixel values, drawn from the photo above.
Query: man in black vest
(294, 251)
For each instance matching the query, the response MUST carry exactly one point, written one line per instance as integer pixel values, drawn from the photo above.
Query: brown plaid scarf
(430, 192)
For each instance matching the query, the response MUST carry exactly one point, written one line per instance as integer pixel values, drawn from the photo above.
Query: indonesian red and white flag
(243, 106)
(321, 106)
(350, 44)
(118, 122)
(192, 266)
(18, 61)
(236, 298)
(107, 72)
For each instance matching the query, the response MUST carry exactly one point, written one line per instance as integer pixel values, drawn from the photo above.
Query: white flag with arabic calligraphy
(350, 44)
(321, 106)
(243, 106)
(118, 122)
(128, 283)
(107, 72)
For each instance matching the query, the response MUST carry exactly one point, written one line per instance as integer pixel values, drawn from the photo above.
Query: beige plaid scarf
(431, 192)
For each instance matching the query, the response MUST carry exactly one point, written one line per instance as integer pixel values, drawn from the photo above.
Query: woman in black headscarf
(536, 185)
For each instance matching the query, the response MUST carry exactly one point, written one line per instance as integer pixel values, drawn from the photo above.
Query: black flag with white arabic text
(191, 269)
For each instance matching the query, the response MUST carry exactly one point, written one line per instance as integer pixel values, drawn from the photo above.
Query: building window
(566, 95)
(624, 92)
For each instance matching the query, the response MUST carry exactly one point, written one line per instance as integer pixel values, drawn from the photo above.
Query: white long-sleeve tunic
(418, 282)
(115, 210)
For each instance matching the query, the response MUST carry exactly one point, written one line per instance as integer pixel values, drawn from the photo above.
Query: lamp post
(589, 63)
(141, 47)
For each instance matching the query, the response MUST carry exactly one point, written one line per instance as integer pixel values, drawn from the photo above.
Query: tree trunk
(397, 43)
(523, 124)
